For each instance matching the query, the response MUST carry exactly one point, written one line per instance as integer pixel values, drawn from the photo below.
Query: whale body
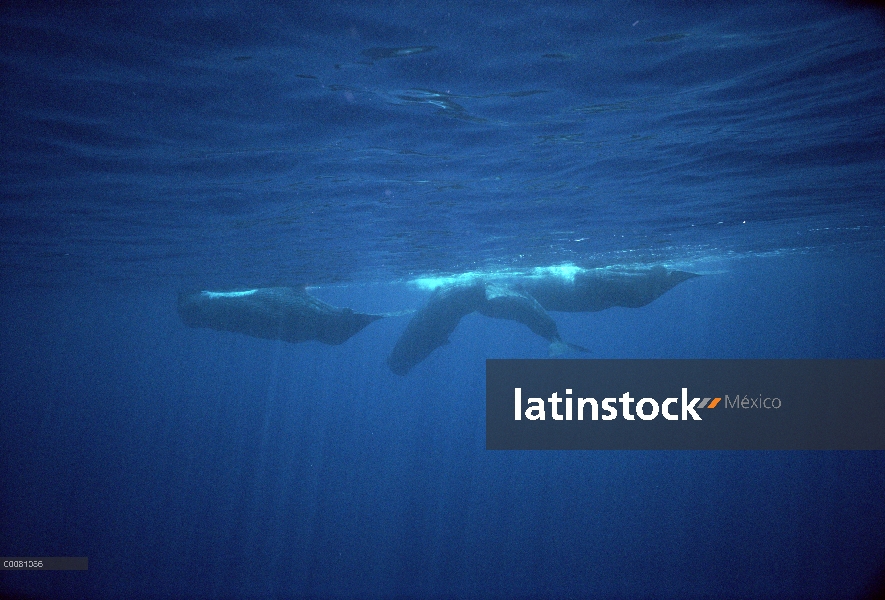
(431, 326)
(503, 302)
(526, 299)
(598, 289)
(288, 314)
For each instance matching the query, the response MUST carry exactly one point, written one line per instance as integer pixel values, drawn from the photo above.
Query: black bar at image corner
(44, 563)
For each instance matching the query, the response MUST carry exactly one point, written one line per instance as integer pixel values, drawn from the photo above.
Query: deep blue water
(153, 148)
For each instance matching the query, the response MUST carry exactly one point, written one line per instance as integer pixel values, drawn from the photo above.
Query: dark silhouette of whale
(503, 302)
(598, 289)
(526, 299)
(431, 326)
(288, 314)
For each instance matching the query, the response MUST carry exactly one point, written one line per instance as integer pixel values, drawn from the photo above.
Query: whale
(279, 313)
(526, 299)
(598, 289)
(503, 302)
(431, 326)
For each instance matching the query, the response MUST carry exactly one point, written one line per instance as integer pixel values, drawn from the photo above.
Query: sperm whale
(526, 299)
(288, 314)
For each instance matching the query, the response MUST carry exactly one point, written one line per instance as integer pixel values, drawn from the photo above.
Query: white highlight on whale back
(565, 271)
(431, 283)
(227, 294)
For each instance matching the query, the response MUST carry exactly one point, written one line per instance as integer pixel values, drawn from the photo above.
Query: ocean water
(152, 148)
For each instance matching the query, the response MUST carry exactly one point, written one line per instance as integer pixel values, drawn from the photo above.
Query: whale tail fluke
(560, 348)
